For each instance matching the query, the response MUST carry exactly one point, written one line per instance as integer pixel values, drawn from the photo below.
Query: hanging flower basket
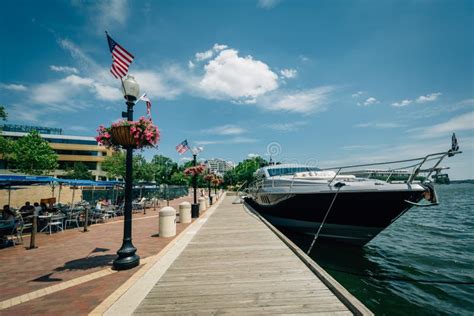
(194, 171)
(123, 134)
(209, 177)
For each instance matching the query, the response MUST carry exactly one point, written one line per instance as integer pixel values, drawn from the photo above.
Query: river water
(423, 264)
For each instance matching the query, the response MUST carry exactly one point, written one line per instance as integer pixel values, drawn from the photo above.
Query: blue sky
(320, 82)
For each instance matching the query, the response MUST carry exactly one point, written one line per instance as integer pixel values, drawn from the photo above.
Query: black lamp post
(195, 206)
(209, 189)
(127, 258)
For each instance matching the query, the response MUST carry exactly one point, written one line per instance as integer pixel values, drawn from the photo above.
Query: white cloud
(358, 147)
(459, 123)
(219, 47)
(229, 76)
(251, 155)
(107, 93)
(13, 87)
(157, 84)
(28, 113)
(200, 56)
(234, 140)
(289, 73)
(402, 103)
(191, 65)
(304, 102)
(82, 59)
(78, 81)
(286, 127)
(379, 125)
(65, 91)
(369, 101)
(64, 69)
(225, 130)
(204, 55)
(357, 94)
(428, 98)
(304, 58)
(268, 4)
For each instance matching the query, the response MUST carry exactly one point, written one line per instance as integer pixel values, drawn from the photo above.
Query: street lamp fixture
(127, 258)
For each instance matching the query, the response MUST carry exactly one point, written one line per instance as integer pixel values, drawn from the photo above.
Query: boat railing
(416, 165)
(416, 169)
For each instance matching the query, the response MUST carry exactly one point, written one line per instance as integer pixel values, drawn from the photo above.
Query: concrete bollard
(167, 222)
(185, 212)
(202, 204)
(208, 202)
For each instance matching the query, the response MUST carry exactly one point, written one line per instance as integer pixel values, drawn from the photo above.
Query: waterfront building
(69, 148)
(219, 166)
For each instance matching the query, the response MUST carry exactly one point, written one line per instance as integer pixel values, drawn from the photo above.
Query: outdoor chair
(55, 220)
(11, 233)
(96, 215)
(138, 206)
(72, 217)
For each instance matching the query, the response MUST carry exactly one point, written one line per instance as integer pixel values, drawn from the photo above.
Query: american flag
(148, 104)
(121, 59)
(182, 147)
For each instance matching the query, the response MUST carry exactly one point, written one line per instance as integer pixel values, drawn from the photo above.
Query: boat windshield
(291, 170)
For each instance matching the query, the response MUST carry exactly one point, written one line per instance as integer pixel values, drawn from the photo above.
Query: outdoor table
(45, 219)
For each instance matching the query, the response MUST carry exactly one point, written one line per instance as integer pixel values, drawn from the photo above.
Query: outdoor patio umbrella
(8, 180)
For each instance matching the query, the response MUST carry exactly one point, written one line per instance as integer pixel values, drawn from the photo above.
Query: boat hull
(355, 217)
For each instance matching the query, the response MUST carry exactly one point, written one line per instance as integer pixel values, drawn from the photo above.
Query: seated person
(38, 209)
(98, 206)
(27, 209)
(8, 217)
(7, 223)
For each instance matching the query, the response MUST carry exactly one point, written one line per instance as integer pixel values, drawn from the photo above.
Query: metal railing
(417, 168)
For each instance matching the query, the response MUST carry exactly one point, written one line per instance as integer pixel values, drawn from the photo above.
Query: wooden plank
(236, 265)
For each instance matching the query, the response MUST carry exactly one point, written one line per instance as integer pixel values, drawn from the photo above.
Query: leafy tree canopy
(114, 165)
(31, 154)
(3, 113)
(79, 171)
(244, 171)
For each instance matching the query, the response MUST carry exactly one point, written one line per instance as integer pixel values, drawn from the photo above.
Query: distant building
(70, 149)
(219, 166)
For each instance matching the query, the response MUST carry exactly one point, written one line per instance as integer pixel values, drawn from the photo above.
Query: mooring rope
(338, 185)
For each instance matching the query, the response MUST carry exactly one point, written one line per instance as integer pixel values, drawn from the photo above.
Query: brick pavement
(71, 254)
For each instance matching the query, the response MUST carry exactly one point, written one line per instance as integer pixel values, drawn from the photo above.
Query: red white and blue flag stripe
(182, 147)
(121, 59)
(148, 104)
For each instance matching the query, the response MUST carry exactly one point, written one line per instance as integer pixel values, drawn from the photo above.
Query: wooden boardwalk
(236, 264)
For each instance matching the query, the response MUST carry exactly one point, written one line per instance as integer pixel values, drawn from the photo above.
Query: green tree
(163, 169)
(142, 170)
(31, 154)
(178, 178)
(244, 171)
(114, 165)
(6, 148)
(6, 145)
(3, 113)
(79, 171)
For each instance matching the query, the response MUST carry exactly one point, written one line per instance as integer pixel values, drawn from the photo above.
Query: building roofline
(51, 136)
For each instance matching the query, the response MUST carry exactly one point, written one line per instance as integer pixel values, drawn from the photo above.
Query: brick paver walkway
(67, 255)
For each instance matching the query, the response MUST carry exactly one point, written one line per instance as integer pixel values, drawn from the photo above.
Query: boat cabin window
(290, 170)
